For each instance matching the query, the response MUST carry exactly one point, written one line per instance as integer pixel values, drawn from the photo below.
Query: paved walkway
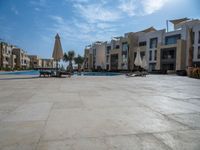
(100, 113)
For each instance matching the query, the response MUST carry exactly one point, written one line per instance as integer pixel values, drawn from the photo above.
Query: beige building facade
(163, 50)
(7, 58)
(12, 57)
(22, 59)
(48, 63)
(35, 61)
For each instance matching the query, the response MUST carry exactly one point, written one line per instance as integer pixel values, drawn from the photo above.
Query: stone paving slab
(104, 122)
(20, 133)
(192, 120)
(126, 142)
(29, 112)
(101, 113)
(166, 105)
(181, 140)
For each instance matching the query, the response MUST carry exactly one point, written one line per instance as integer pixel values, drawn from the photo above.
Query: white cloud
(38, 2)
(104, 25)
(57, 19)
(37, 9)
(14, 9)
(128, 6)
(97, 12)
(76, 30)
(78, 1)
(99, 20)
(150, 6)
(141, 7)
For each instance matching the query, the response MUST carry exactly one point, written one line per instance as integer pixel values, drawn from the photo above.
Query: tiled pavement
(100, 113)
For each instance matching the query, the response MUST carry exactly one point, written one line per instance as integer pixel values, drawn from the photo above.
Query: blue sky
(33, 24)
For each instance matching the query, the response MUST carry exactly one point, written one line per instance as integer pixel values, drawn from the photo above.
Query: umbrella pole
(56, 67)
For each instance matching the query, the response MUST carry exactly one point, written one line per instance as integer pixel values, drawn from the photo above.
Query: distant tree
(79, 61)
(69, 57)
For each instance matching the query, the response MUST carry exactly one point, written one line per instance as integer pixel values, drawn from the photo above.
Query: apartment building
(163, 50)
(88, 58)
(108, 50)
(95, 56)
(172, 50)
(137, 41)
(22, 60)
(16, 58)
(7, 59)
(35, 61)
(48, 63)
(115, 54)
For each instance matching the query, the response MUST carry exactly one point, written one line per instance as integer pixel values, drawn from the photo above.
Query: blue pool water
(33, 72)
(29, 72)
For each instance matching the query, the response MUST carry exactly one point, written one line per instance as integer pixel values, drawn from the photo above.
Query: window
(107, 59)
(155, 55)
(125, 47)
(198, 55)
(168, 54)
(94, 52)
(199, 37)
(143, 43)
(172, 39)
(150, 55)
(193, 37)
(108, 49)
(153, 43)
(117, 46)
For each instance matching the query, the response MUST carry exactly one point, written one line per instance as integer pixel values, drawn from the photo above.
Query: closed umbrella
(57, 51)
(144, 63)
(138, 60)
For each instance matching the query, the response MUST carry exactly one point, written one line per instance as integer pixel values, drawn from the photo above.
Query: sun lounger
(60, 73)
(45, 73)
(137, 74)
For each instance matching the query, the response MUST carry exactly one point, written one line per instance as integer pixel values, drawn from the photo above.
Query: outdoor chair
(137, 74)
(45, 73)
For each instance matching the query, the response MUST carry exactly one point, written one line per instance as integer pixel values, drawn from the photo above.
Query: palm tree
(79, 61)
(69, 57)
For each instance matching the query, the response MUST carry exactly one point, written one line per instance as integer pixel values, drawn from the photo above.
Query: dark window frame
(198, 52)
(150, 55)
(108, 49)
(155, 55)
(143, 43)
(151, 41)
(199, 37)
(117, 47)
(177, 36)
(193, 37)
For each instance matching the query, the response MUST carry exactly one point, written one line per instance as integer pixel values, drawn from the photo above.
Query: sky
(33, 24)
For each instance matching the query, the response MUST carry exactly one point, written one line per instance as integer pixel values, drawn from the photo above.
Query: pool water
(29, 72)
(34, 72)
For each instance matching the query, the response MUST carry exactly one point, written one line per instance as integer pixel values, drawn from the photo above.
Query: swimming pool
(34, 72)
(27, 72)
